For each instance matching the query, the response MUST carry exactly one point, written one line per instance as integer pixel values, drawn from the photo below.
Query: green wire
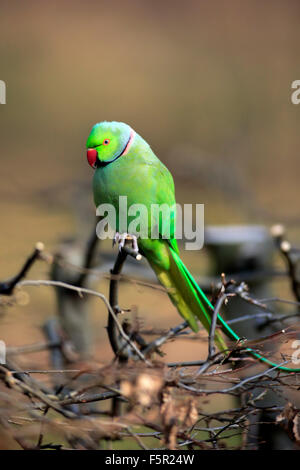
(234, 336)
(226, 328)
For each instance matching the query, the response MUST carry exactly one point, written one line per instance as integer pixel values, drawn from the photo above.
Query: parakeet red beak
(92, 155)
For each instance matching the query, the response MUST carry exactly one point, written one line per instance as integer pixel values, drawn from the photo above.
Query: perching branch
(120, 346)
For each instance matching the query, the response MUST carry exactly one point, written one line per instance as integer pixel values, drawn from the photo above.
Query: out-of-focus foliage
(208, 84)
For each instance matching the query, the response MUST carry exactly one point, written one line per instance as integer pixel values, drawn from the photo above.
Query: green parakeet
(126, 166)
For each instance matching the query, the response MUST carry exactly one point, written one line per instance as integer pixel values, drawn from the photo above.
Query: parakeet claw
(116, 238)
(121, 238)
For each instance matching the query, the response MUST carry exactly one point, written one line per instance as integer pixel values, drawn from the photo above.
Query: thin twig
(7, 287)
(82, 290)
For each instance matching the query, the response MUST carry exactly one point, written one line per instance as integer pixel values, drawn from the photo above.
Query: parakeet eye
(92, 155)
(106, 141)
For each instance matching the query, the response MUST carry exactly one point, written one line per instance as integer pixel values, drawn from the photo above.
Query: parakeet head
(107, 142)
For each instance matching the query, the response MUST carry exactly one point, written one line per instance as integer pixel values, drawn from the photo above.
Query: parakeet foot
(121, 239)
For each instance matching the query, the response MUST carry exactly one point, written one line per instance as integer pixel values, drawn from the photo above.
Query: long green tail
(183, 291)
(192, 303)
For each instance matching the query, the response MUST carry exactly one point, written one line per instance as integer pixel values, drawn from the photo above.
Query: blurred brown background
(207, 84)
